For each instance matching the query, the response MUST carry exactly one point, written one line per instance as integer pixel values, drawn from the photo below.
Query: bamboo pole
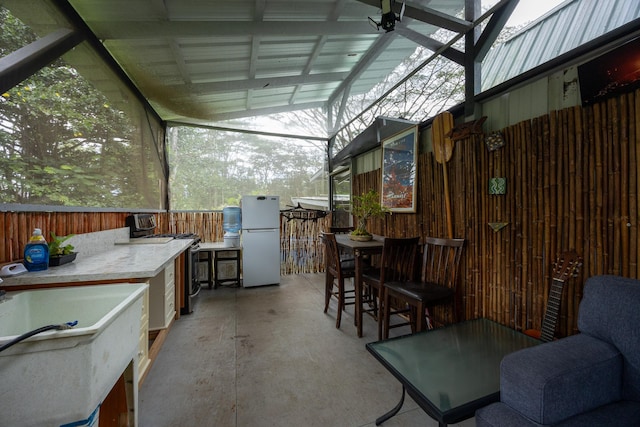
(599, 189)
(623, 156)
(634, 172)
(580, 201)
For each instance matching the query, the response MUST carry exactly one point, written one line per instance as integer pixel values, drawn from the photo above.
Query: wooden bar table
(359, 250)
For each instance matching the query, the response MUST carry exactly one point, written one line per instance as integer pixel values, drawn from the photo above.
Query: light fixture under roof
(388, 18)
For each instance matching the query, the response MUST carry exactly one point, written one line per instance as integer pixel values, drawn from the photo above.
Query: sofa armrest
(554, 381)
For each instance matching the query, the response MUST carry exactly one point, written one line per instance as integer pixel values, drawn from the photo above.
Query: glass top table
(451, 371)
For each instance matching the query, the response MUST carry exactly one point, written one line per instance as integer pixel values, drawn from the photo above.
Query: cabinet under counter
(162, 297)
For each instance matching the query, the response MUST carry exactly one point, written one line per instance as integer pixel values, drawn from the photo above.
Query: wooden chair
(343, 230)
(397, 264)
(567, 265)
(440, 265)
(336, 271)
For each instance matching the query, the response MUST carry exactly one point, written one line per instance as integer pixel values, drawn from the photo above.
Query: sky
(530, 10)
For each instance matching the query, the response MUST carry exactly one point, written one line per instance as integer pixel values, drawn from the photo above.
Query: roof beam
(376, 49)
(260, 6)
(493, 28)
(433, 45)
(317, 49)
(265, 111)
(28, 60)
(322, 40)
(112, 30)
(180, 62)
(341, 109)
(428, 16)
(264, 82)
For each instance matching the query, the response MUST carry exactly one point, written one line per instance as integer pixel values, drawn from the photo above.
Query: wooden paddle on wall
(443, 150)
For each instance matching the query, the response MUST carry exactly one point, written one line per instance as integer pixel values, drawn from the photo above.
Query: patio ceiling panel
(209, 61)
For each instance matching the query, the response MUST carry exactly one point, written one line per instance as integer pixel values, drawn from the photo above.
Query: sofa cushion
(609, 310)
(500, 415)
(623, 413)
(557, 380)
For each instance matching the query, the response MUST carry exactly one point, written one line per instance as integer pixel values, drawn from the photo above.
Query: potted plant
(59, 254)
(364, 207)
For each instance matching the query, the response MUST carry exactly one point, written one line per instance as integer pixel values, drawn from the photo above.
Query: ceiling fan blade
(404, 4)
(374, 24)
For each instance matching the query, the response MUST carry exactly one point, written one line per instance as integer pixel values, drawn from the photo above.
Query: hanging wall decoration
(304, 214)
(497, 226)
(494, 140)
(465, 130)
(498, 185)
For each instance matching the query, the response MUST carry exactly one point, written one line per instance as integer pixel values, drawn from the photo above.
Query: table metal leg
(392, 412)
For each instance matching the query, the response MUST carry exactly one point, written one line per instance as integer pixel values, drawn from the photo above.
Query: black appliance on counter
(143, 226)
(140, 225)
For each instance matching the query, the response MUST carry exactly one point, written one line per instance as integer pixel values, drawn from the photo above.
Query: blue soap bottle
(36, 252)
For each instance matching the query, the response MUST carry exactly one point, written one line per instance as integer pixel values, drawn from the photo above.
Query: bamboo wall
(17, 226)
(572, 183)
(300, 247)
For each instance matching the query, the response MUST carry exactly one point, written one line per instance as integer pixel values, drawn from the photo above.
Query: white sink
(61, 377)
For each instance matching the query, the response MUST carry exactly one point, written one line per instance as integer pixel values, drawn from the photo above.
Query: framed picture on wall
(399, 171)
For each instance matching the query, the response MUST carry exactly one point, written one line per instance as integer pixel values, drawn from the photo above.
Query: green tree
(63, 143)
(212, 169)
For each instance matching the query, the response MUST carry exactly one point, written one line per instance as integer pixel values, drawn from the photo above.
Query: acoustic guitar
(567, 265)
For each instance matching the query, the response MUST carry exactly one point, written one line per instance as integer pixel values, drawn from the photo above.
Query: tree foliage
(211, 169)
(62, 143)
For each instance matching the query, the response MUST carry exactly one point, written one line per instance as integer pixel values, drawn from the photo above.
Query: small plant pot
(360, 237)
(56, 261)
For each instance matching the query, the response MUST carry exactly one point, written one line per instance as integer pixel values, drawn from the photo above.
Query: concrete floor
(269, 356)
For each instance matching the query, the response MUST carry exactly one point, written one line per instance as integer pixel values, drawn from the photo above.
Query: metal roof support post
(330, 144)
(477, 44)
(472, 68)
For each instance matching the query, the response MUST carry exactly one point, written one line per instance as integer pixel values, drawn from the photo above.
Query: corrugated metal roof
(568, 26)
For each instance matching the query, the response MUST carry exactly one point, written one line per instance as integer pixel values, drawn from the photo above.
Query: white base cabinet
(143, 343)
(162, 298)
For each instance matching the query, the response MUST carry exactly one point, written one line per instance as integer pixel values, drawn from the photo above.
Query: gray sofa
(588, 379)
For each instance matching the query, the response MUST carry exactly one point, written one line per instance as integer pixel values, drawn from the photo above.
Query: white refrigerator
(260, 240)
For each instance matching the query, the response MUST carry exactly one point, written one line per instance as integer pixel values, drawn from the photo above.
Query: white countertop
(117, 262)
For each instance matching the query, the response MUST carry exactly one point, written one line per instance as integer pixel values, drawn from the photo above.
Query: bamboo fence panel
(207, 225)
(633, 184)
(301, 248)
